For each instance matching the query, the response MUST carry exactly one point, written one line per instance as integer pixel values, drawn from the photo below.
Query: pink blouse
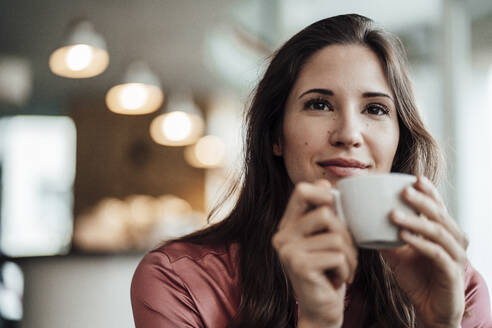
(187, 285)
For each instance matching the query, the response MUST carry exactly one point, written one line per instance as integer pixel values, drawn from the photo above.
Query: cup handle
(338, 204)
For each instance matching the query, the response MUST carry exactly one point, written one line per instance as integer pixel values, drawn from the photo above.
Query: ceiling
(173, 36)
(166, 34)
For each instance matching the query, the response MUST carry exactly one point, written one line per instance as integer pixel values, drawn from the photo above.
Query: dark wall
(116, 157)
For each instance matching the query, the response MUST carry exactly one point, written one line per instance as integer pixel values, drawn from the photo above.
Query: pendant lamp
(83, 53)
(140, 92)
(181, 124)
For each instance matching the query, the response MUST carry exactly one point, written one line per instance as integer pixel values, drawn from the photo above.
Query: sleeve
(477, 301)
(159, 297)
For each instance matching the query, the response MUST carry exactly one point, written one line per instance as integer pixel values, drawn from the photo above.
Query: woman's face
(340, 118)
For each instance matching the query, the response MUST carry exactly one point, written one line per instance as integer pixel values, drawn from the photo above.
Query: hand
(430, 269)
(317, 253)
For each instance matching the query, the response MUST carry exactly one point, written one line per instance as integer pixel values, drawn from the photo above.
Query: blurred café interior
(121, 127)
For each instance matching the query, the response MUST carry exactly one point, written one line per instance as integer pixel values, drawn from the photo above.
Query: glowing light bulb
(176, 126)
(133, 96)
(79, 57)
(210, 150)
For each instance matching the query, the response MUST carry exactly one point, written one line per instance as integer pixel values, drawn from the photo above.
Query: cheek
(302, 140)
(299, 146)
(384, 145)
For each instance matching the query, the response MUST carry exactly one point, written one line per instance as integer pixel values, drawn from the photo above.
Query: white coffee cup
(364, 203)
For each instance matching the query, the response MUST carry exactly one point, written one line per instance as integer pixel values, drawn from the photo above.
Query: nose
(346, 131)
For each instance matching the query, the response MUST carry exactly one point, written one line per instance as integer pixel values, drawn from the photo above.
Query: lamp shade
(82, 55)
(180, 125)
(140, 92)
(176, 128)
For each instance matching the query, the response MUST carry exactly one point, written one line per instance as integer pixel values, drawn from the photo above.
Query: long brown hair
(264, 188)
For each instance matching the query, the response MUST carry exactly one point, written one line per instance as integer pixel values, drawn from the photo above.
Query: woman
(335, 101)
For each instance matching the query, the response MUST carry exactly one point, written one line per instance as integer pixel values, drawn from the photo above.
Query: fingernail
(410, 191)
(398, 215)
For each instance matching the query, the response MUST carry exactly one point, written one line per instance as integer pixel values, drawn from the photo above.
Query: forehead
(343, 68)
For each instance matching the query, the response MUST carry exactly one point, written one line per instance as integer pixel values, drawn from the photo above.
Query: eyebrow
(331, 93)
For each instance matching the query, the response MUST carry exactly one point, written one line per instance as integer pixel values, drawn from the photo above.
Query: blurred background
(120, 127)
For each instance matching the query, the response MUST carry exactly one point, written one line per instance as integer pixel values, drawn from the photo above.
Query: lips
(345, 162)
(344, 167)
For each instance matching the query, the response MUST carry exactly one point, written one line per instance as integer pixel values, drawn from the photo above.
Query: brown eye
(377, 109)
(318, 104)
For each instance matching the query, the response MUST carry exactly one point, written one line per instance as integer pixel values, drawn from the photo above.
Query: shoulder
(182, 279)
(191, 261)
(177, 255)
(477, 300)
(179, 251)
(186, 258)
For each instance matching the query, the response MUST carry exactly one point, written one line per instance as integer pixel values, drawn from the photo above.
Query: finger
(305, 196)
(322, 183)
(333, 242)
(430, 250)
(427, 187)
(428, 207)
(321, 219)
(332, 265)
(432, 231)
(311, 266)
(315, 225)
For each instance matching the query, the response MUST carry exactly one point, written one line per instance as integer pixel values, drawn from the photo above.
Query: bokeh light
(133, 96)
(176, 126)
(79, 57)
(208, 152)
